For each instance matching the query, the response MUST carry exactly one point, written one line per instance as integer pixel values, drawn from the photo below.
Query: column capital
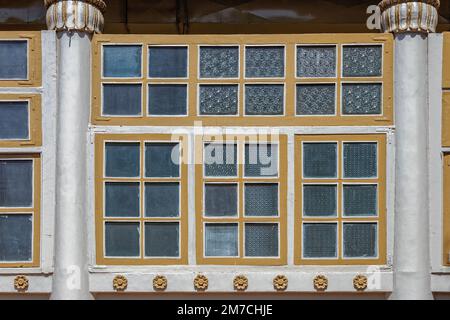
(399, 16)
(75, 15)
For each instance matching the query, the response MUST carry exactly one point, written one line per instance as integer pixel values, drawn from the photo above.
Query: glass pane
(122, 99)
(220, 160)
(360, 240)
(320, 240)
(13, 60)
(264, 99)
(167, 99)
(122, 61)
(218, 99)
(316, 61)
(261, 240)
(221, 240)
(162, 199)
(319, 200)
(364, 98)
(122, 239)
(316, 99)
(167, 62)
(264, 62)
(162, 239)
(16, 183)
(362, 61)
(14, 120)
(360, 160)
(162, 160)
(319, 160)
(122, 199)
(219, 62)
(261, 199)
(360, 200)
(221, 200)
(122, 159)
(16, 232)
(261, 160)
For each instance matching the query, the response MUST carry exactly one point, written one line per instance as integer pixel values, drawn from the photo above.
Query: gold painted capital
(419, 16)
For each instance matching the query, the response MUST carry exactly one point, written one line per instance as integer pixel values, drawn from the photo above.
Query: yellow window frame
(100, 141)
(290, 80)
(240, 180)
(35, 210)
(380, 139)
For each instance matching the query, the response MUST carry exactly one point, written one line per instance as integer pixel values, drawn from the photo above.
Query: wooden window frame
(100, 179)
(34, 120)
(34, 210)
(339, 219)
(290, 80)
(34, 57)
(240, 180)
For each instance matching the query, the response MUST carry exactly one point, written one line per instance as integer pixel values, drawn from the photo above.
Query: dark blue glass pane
(16, 232)
(220, 160)
(122, 239)
(162, 239)
(122, 199)
(122, 61)
(261, 160)
(220, 200)
(218, 99)
(167, 99)
(264, 99)
(319, 240)
(219, 62)
(360, 160)
(319, 200)
(14, 120)
(264, 62)
(122, 159)
(162, 160)
(261, 240)
(16, 183)
(221, 240)
(319, 160)
(261, 199)
(360, 200)
(13, 60)
(360, 240)
(122, 99)
(167, 62)
(162, 199)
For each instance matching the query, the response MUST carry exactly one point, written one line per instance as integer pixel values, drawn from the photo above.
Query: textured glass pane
(261, 240)
(162, 239)
(218, 99)
(362, 61)
(122, 159)
(315, 99)
(264, 99)
(162, 160)
(219, 62)
(167, 62)
(220, 160)
(363, 98)
(319, 240)
(319, 200)
(14, 120)
(360, 200)
(122, 99)
(319, 160)
(16, 232)
(13, 60)
(261, 199)
(316, 61)
(162, 199)
(122, 239)
(16, 183)
(167, 99)
(360, 160)
(122, 61)
(360, 240)
(122, 199)
(261, 160)
(221, 240)
(264, 62)
(220, 200)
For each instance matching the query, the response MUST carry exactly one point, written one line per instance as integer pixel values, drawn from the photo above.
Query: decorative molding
(280, 282)
(320, 282)
(72, 15)
(240, 283)
(360, 282)
(160, 283)
(21, 283)
(399, 16)
(201, 282)
(120, 283)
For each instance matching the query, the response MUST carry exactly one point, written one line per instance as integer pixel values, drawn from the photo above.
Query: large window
(340, 188)
(245, 80)
(141, 199)
(241, 191)
(20, 183)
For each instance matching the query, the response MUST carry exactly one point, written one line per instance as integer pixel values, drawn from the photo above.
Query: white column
(74, 21)
(410, 22)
